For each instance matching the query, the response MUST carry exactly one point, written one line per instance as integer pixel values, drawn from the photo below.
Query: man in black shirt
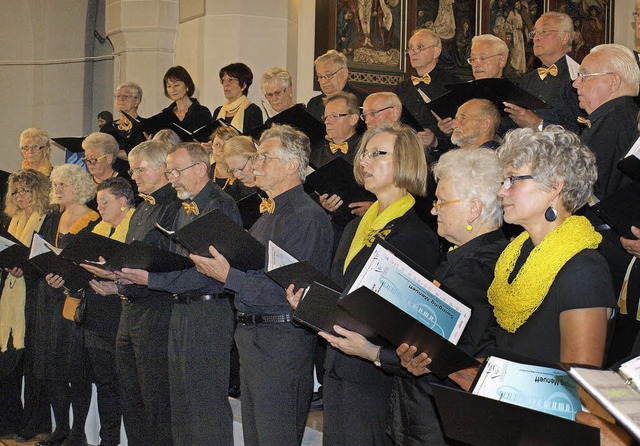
(276, 357)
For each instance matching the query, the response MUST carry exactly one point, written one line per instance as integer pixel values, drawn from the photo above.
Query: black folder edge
(71, 143)
(621, 210)
(162, 120)
(319, 310)
(299, 118)
(17, 255)
(247, 254)
(159, 260)
(249, 208)
(322, 181)
(481, 421)
(630, 164)
(301, 274)
(377, 312)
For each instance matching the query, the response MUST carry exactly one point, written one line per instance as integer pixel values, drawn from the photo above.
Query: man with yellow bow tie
(424, 49)
(552, 37)
(276, 356)
(201, 327)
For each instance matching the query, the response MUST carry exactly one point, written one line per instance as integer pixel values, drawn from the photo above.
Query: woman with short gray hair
(126, 129)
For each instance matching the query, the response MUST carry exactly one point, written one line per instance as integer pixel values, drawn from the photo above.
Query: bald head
(475, 123)
(381, 108)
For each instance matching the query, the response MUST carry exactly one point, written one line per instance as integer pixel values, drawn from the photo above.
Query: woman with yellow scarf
(35, 147)
(238, 110)
(390, 163)
(27, 204)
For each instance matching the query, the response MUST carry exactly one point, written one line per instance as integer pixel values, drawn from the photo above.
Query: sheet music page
(424, 95)
(41, 246)
(543, 389)
(395, 281)
(278, 257)
(630, 370)
(5, 243)
(634, 150)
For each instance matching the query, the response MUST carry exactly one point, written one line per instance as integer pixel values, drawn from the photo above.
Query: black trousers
(103, 366)
(276, 375)
(143, 370)
(200, 337)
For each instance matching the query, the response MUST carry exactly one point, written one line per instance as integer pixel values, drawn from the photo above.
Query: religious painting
(592, 22)
(454, 21)
(513, 22)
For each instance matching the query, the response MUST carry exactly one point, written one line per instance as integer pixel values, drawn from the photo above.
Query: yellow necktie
(191, 208)
(416, 80)
(343, 147)
(552, 70)
(584, 121)
(148, 198)
(267, 205)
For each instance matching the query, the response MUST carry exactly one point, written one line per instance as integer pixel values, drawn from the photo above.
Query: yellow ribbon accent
(267, 205)
(342, 147)
(513, 303)
(148, 198)
(191, 208)
(552, 70)
(416, 79)
(584, 121)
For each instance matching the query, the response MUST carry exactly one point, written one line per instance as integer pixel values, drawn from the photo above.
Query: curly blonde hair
(37, 183)
(84, 189)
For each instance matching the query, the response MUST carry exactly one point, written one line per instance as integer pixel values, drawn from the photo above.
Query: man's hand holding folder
(217, 267)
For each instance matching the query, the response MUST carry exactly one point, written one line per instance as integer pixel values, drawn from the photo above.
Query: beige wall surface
(52, 85)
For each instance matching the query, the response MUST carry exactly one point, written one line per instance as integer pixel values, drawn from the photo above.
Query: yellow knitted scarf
(238, 119)
(513, 303)
(45, 168)
(14, 291)
(373, 225)
(104, 229)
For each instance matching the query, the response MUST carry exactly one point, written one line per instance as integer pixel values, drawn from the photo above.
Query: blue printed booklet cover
(543, 389)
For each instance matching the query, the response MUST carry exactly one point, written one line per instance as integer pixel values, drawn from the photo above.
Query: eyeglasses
(92, 161)
(175, 173)
(329, 76)
(509, 181)
(23, 191)
(32, 149)
(438, 204)
(542, 33)
(262, 158)
(374, 113)
(276, 94)
(373, 154)
(635, 14)
(56, 185)
(228, 80)
(137, 171)
(125, 97)
(417, 48)
(333, 116)
(583, 76)
(481, 59)
(240, 169)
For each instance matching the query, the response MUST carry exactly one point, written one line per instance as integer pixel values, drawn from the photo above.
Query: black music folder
(630, 164)
(13, 254)
(621, 210)
(481, 421)
(71, 143)
(297, 117)
(284, 269)
(409, 120)
(214, 228)
(164, 120)
(87, 247)
(249, 208)
(497, 90)
(46, 259)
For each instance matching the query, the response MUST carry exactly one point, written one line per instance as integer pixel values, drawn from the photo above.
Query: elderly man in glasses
(201, 327)
(332, 73)
(552, 37)
(276, 356)
(381, 108)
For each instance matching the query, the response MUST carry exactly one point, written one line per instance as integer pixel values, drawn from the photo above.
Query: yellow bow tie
(342, 147)
(191, 208)
(416, 80)
(584, 121)
(552, 70)
(267, 205)
(148, 198)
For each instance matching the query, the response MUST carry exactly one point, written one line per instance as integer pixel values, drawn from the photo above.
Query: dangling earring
(469, 227)
(122, 209)
(550, 214)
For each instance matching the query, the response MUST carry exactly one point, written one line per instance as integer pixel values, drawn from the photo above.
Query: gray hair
(474, 173)
(293, 145)
(40, 136)
(349, 98)
(437, 41)
(391, 99)
(565, 24)
(196, 153)
(168, 137)
(154, 152)
(84, 189)
(279, 74)
(553, 154)
(498, 44)
(104, 142)
(622, 62)
(118, 187)
(131, 86)
(332, 56)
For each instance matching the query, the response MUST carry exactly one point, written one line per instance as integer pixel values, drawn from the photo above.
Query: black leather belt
(255, 319)
(187, 299)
